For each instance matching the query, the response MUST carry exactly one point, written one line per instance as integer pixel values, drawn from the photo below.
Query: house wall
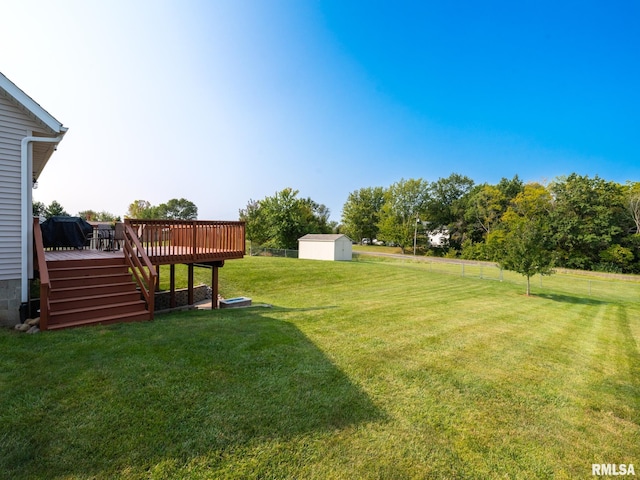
(15, 124)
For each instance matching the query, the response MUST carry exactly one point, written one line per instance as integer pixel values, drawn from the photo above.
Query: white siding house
(324, 247)
(28, 137)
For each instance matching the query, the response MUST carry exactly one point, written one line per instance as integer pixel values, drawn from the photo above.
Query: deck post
(172, 282)
(190, 284)
(214, 287)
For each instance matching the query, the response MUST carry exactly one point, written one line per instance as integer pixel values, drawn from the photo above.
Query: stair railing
(140, 265)
(41, 265)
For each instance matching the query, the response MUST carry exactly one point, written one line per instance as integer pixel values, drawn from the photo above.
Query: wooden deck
(159, 255)
(173, 241)
(91, 285)
(197, 241)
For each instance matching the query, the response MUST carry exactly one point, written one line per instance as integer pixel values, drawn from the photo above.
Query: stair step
(93, 291)
(70, 282)
(87, 313)
(85, 290)
(87, 271)
(86, 262)
(106, 300)
(106, 320)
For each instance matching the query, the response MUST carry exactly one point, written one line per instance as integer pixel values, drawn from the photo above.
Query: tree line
(174, 209)
(575, 221)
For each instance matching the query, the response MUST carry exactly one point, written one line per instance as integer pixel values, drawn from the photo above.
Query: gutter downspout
(26, 162)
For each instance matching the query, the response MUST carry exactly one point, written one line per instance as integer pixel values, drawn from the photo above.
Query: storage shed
(324, 247)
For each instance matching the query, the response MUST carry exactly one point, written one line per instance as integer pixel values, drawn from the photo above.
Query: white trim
(31, 105)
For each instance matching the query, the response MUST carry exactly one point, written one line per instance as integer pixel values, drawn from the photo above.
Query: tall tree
(589, 216)
(485, 206)
(140, 209)
(404, 203)
(361, 213)
(523, 239)
(55, 210)
(446, 205)
(255, 224)
(177, 209)
(633, 204)
(278, 221)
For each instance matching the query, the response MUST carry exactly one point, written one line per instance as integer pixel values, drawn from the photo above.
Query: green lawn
(363, 369)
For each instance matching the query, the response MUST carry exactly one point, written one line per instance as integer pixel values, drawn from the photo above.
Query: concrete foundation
(10, 293)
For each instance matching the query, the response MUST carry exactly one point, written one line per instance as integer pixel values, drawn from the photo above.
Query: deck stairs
(91, 292)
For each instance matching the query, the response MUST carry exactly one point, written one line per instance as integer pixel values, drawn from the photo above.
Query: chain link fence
(257, 251)
(574, 283)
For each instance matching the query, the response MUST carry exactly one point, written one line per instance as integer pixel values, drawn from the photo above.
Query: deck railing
(189, 241)
(41, 265)
(141, 267)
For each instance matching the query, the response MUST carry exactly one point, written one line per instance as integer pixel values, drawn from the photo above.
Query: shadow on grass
(127, 397)
(570, 299)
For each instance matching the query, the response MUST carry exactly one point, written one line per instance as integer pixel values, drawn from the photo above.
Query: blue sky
(225, 101)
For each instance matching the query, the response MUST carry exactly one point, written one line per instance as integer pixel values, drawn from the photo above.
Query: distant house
(28, 137)
(438, 238)
(324, 247)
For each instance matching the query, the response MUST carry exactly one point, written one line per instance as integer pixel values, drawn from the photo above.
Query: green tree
(485, 207)
(141, 210)
(55, 210)
(278, 221)
(177, 209)
(510, 188)
(589, 216)
(38, 208)
(361, 213)
(446, 205)
(633, 204)
(616, 258)
(404, 203)
(88, 215)
(103, 216)
(255, 223)
(523, 239)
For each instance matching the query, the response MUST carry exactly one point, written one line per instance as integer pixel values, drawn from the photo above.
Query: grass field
(364, 369)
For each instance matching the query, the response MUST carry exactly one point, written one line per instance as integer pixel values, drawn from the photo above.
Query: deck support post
(190, 284)
(214, 287)
(172, 287)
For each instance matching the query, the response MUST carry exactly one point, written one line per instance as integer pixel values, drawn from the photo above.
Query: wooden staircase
(91, 292)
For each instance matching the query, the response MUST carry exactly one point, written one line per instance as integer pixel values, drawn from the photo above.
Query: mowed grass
(358, 370)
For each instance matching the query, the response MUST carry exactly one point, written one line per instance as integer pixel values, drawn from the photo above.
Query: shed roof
(322, 237)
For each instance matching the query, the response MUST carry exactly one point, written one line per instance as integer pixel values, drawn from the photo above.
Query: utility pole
(415, 234)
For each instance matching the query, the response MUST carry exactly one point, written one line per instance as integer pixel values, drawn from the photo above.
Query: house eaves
(31, 107)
